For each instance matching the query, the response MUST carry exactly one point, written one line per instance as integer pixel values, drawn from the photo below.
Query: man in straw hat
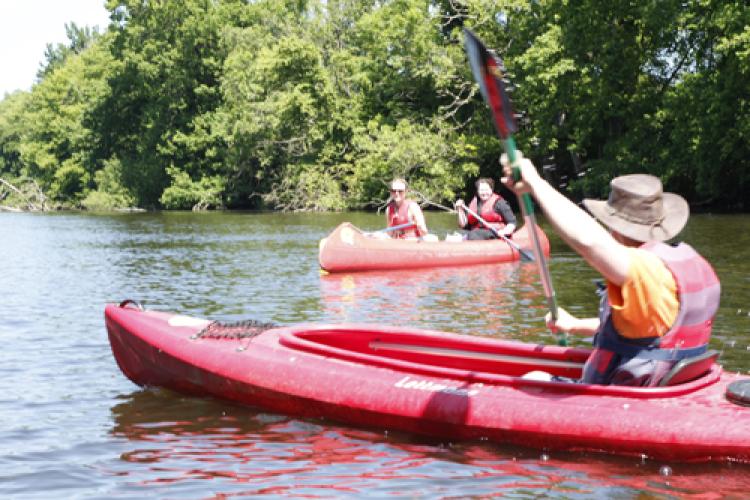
(660, 300)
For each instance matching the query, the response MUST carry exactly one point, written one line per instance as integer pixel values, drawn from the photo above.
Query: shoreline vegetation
(28, 198)
(313, 105)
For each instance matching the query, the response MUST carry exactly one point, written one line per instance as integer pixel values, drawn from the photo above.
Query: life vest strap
(650, 352)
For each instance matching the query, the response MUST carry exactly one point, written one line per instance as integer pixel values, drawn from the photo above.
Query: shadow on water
(182, 442)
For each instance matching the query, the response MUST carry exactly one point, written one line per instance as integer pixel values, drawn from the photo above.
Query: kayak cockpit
(466, 358)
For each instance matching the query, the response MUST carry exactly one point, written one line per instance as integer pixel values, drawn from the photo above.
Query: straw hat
(639, 209)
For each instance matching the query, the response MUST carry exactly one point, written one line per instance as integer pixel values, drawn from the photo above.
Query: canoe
(348, 249)
(459, 387)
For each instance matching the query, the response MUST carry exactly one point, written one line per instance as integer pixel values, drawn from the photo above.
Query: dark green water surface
(72, 425)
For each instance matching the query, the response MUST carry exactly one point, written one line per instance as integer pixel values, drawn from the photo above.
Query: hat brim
(676, 214)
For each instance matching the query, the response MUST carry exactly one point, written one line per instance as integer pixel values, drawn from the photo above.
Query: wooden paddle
(488, 72)
(525, 254)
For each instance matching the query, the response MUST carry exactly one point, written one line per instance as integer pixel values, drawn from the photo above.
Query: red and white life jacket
(400, 216)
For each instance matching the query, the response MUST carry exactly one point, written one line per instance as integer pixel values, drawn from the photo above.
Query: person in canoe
(401, 211)
(491, 207)
(660, 300)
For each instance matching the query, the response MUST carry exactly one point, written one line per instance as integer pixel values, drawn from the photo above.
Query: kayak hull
(432, 383)
(347, 249)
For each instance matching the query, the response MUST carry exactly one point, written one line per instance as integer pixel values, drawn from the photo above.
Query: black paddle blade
(488, 72)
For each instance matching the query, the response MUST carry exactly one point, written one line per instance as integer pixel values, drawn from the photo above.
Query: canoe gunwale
(348, 249)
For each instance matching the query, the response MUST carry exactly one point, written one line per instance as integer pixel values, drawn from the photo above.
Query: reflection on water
(183, 442)
(478, 300)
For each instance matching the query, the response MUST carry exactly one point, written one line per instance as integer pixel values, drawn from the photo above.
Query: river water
(73, 426)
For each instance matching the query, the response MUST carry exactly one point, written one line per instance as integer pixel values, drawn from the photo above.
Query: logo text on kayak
(426, 385)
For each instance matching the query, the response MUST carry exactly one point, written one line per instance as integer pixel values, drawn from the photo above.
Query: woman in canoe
(660, 300)
(491, 207)
(402, 211)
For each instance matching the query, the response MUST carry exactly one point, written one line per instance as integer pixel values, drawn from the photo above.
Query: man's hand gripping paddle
(488, 72)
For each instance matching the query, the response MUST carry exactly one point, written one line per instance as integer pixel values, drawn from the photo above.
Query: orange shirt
(646, 305)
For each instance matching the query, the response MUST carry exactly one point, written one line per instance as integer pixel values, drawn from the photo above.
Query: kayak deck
(465, 358)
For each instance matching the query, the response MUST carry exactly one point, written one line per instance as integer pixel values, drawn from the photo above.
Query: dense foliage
(316, 104)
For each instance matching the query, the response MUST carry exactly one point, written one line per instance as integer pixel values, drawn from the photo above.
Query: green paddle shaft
(527, 209)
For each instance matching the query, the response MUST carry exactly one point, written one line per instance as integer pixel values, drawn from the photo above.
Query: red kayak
(349, 249)
(435, 383)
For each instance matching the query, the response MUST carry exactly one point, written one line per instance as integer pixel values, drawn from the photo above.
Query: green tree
(56, 147)
(612, 88)
(278, 109)
(165, 90)
(315, 105)
(79, 39)
(706, 123)
(12, 110)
